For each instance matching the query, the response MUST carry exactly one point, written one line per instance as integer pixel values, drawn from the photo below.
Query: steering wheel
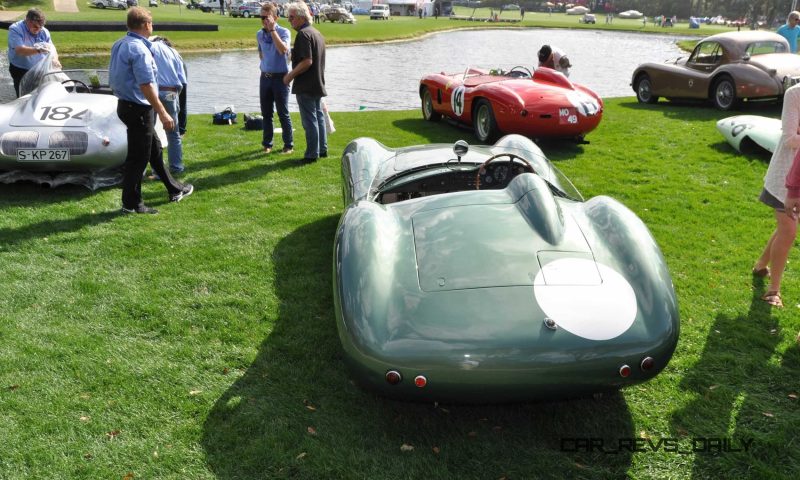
(511, 158)
(75, 84)
(519, 72)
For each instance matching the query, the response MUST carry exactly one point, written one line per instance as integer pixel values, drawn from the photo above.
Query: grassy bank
(236, 33)
(201, 343)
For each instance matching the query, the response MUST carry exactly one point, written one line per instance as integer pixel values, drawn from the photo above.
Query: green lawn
(201, 342)
(237, 33)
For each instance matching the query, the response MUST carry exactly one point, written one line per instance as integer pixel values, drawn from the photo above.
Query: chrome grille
(77, 142)
(13, 140)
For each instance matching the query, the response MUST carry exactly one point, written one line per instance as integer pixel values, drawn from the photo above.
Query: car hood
(536, 93)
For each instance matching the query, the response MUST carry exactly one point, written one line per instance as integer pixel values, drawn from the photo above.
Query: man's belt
(169, 89)
(273, 74)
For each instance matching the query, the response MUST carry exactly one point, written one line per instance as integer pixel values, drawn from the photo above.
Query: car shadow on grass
(443, 131)
(30, 194)
(696, 110)
(750, 151)
(743, 421)
(14, 236)
(295, 413)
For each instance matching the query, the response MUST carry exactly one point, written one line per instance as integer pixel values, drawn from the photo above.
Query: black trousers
(143, 147)
(182, 112)
(16, 74)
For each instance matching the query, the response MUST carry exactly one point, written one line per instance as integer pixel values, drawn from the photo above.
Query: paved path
(68, 6)
(10, 15)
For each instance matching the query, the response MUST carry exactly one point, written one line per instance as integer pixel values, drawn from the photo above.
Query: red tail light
(393, 377)
(624, 371)
(420, 381)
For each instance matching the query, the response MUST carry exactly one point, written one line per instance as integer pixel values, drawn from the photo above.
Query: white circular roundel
(593, 310)
(457, 100)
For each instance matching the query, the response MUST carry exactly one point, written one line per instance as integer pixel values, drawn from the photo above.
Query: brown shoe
(773, 298)
(761, 272)
(287, 150)
(267, 149)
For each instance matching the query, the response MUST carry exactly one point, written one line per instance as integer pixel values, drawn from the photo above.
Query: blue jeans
(174, 143)
(313, 119)
(273, 91)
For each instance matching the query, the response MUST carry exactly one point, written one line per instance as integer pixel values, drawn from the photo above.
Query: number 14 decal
(61, 113)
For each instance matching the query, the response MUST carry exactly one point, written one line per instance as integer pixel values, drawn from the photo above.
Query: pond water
(386, 76)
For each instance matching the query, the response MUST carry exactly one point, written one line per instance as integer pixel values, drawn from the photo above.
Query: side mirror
(460, 149)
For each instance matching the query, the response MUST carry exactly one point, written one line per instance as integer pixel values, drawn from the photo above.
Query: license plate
(43, 155)
(567, 116)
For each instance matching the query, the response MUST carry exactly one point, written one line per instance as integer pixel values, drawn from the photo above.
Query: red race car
(496, 102)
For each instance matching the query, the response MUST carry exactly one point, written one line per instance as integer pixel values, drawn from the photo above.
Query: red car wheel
(483, 122)
(428, 113)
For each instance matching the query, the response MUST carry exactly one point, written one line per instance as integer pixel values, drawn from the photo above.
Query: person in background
(782, 173)
(555, 58)
(790, 30)
(308, 74)
(316, 11)
(28, 43)
(171, 78)
(132, 77)
(273, 51)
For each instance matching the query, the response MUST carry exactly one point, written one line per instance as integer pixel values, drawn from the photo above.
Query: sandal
(761, 272)
(773, 298)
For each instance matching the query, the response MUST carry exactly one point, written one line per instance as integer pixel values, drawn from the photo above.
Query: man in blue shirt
(132, 76)
(171, 78)
(790, 30)
(273, 50)
(28, 43)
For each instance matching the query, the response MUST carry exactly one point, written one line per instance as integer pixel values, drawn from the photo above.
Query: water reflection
(386, 76)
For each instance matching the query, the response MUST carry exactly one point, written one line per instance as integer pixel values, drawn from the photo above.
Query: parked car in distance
(511, 6)
(726, 68)
(246, 10)
(208, 6)
(153, 3)
(337, 14)
(631, 14)
(579, 10)
(118, 4)
(588, 18)
(379, 12)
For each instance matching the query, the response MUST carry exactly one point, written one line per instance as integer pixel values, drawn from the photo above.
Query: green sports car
(479, 274)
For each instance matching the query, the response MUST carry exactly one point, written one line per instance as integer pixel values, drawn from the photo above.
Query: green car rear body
(512, 293)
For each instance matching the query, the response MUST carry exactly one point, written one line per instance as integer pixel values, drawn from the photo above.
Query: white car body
(747, 131)
(120, 5)
(579, 10)
(57, 129)
(379, 12)
(631, 14)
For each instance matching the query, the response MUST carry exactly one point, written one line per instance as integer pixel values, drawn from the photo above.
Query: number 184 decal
(61, 114)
